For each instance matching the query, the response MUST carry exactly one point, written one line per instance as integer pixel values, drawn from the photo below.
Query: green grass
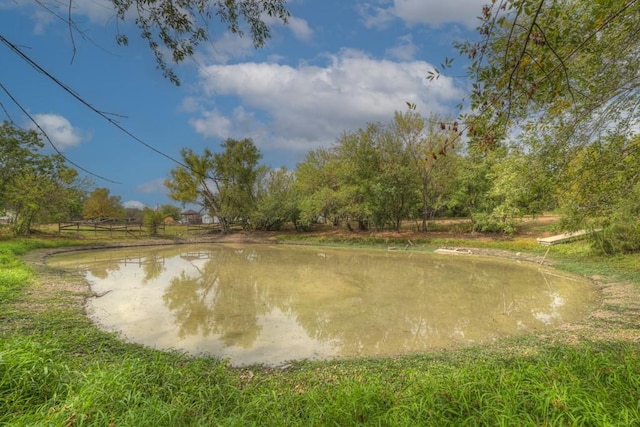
(57, 369)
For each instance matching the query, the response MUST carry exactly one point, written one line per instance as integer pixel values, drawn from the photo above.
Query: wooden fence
(134, 229)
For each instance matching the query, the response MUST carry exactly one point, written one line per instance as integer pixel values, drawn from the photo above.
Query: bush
(498, 221)
(620, 237)
(621, 230)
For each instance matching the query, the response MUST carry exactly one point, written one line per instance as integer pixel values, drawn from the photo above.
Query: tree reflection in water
(213, 301)
(319, 302)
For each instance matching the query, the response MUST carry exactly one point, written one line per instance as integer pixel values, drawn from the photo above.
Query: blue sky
(335, 67)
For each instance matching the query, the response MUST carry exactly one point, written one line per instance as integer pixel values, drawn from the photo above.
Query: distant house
(208, 219)
(7, 217)
(190, 217)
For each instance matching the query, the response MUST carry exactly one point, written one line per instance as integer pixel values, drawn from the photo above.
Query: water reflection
(269, 304)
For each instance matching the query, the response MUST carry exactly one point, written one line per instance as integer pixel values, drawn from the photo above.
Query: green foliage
(277, 201)
(152, 219)
(621, 230)
(101, 204)
(170, 211)
(519, 185)
(236, 167)
(381, 174)
(500, 220)
(552, 66)
(222, 183)
(316, 183)
(34, 185)
(557, 76)
(177, 28)
(602, 192)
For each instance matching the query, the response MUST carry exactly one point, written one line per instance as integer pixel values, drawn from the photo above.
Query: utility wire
(15, 49)
(15, 101)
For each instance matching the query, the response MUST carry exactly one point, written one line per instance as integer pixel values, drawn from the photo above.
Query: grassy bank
(56, 368)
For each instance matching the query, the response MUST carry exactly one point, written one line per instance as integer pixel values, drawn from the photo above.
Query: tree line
(553, 125)
(370, 179)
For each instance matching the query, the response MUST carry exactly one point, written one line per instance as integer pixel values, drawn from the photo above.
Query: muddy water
(269, 304)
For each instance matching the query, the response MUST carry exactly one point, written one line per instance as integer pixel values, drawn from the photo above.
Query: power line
(25, 112)
(15, 49)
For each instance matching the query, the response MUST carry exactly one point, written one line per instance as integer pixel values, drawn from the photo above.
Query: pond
(269, 304)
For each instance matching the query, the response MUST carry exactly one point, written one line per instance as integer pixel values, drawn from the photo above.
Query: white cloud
(241, 124)
(429, 12)
(375, 16)
(225, 48)
(303, 107)
(59, 130)
(154, 186)
(44, 13)
(212, 124)
(300, 28)
(404, 50)
(135, 204)
(231, 46)
(96, 10)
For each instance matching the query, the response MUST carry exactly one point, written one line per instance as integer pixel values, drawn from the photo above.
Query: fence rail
(132, 228)
(135, 229)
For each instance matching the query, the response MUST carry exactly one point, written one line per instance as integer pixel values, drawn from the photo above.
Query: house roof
(190, 212)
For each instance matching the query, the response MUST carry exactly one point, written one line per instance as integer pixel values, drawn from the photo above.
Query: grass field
(57, 368)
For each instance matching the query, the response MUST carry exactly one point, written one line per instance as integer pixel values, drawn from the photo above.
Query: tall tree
(276, 200)
(430, 145)
(237, 168)
(559, 77)
(601, 192)
(222, 183)
(33, 183)
(395, 191)
(317, 186)
(102, 205)
(357, 166)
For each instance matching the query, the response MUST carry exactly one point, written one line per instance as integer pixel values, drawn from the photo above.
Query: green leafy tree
(431, 150)
(552, 66)
(222, 183)
(196, 182)
(602, 193)
(559, 76)
(174, 29)
(357, 164)
(152, 219)
(394, 190)
(317, 187)
(33, 184)
(172, 211)
(520, 185)
(277, 200)
(177, 28)
(237, 168)
(471, 184)
(102, 205)
(381, 174)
